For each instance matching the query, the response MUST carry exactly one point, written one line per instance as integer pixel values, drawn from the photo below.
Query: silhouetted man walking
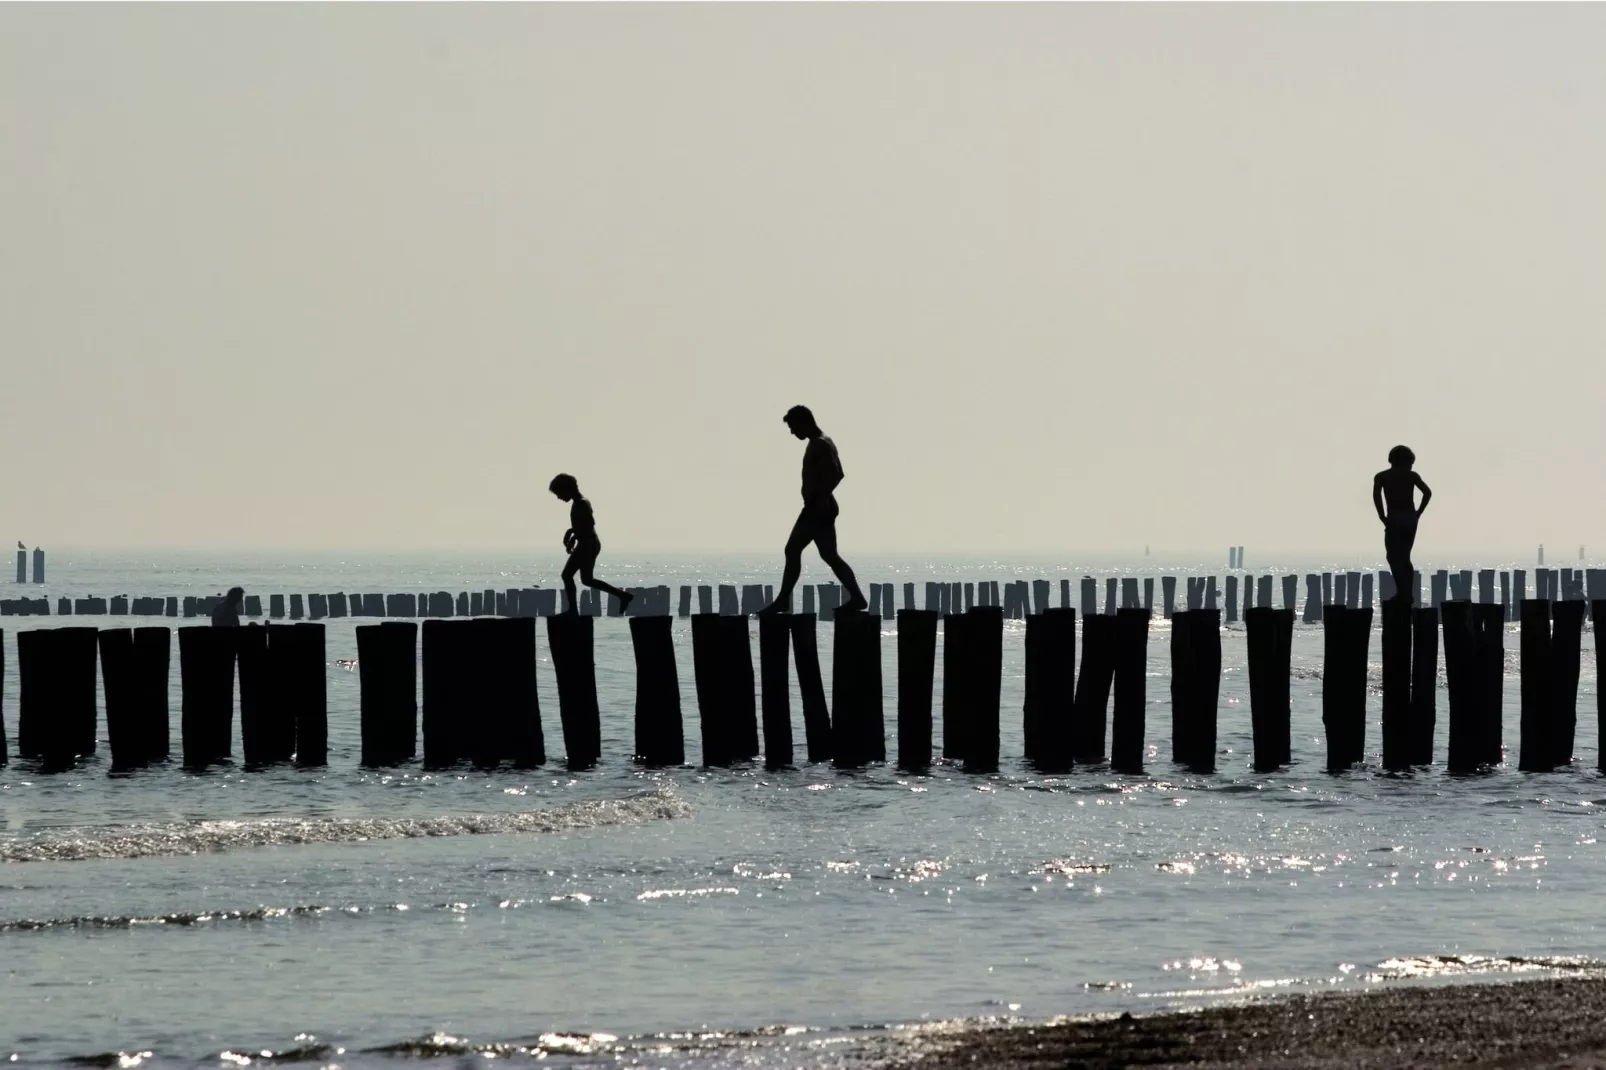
(227, 613)
(1397, 485)
(822, 471)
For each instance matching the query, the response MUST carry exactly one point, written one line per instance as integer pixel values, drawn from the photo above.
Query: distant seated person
(227, 614)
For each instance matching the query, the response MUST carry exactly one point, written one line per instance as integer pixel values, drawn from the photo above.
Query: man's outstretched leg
(800, 538)
(825, 542)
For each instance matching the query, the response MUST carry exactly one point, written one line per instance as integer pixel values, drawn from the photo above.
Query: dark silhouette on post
(1396, 487)
(387, 664)
(1131, 661)
(574, 664)
(1535, 752)
(1269, 637)
(1050, 688)
(1397, 628)
(660, 738)
(1566, 641)
(811, 688)
(775, 678)
(858, 729)
(581, 543)
(1091, 714)
(822, 472)
(227, 612)
(917, 665)
(206, 664)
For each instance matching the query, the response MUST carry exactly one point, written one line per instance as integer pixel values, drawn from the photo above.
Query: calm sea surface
(713, 917)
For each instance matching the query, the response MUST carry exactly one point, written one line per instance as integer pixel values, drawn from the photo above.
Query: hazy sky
(1056, 278)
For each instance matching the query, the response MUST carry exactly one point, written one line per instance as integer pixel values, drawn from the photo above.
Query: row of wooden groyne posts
(479, 701)
(1018, 598)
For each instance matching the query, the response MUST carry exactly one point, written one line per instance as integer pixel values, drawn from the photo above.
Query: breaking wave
(207, 837)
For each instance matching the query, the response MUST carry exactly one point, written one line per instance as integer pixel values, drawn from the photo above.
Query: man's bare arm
(1377, 498)
(1427, 494)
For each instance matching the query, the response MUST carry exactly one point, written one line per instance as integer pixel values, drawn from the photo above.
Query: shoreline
(1553, 1023)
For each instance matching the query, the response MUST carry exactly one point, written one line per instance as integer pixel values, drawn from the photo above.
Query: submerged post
(152, 658)
(1050, 688)
(119, 682)
(1195, 687)
(387, 666)
(1346, 636)
(1131, 658)
(983, 652)
(956, 673)
(1460, 670)
(811, 688)
(660, 736)
(257, 708)
(917, 663)
(1168, 595)
(574, 665)
(1491, 655)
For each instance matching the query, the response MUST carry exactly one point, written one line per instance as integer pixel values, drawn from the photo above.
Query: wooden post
(917, 662)
(1597, 610)
(570, 639)
(1566, 640)
(1196, 689)
(1397, 629)
(1091, 711)
(256, 698)
(858, 730)
(1460, 670)
(1131, 661)
(1535, 752)
(1050, 689)
(1232, 599)
(1270, 636)
(446, 656)
(811, 688)
(119, 681)
(1424, 684)
(300, 690)
(206, 665)
(660, 734)
(983, 641)
(387, 666)
(956, 671)
(1346, 635)
(152, 658)
(775, 683)
(1168, 595)
(1491, 655)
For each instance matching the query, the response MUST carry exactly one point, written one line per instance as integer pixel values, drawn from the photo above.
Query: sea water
(704, 917)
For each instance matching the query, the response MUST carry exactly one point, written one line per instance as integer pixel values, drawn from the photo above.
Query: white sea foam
(205, 837)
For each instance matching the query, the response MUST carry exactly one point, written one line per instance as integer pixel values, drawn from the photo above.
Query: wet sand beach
(1552, 1024)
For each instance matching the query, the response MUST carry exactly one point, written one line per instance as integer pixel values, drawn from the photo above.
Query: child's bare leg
(595, 584)
(568, 585)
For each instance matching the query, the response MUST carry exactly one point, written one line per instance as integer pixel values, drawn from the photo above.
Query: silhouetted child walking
(1396, 485)
(581, 543)
(822, 471)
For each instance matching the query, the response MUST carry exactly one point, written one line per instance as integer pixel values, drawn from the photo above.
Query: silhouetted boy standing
(581, 543)
(822, 471)
(1396, 486)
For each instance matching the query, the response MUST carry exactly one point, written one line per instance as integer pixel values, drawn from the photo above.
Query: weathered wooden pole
(1491, 654)
(858, 730)
(206, 664)
(660, 734)
(1196, 659)
(1397, 634)
(1566, 641)
(447, 658)
(571, 640)
(1050, 688)
(152, 660)
(1093, 686)
(1535, 752)
(1346, 636)
(1131, 661)
(775, 688)
(983, 638)
(301, 679)
(956, 672)
(917, 663)
(256, 697)
(387, 667)
(811, 688)
(120, 684)
(1465, 752)
(1270, 643)
(1424, 684)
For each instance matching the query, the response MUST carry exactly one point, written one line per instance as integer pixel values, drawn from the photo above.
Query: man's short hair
(801, 413)
(236, 592)
(1401, 455)
(562, 479)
